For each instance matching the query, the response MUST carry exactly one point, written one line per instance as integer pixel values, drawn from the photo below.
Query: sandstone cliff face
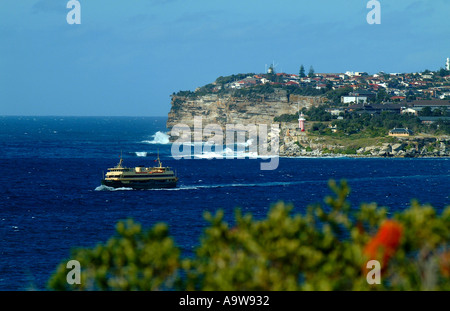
(227, 109)
(263, 108)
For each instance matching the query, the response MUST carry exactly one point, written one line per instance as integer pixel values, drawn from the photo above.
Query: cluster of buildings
(397, 86)
(403, 93)
(413, 107)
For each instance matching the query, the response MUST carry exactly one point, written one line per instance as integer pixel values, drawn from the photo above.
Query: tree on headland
(382, 95)
(311, 73)
(443, 72)
(302, 72)
(426, 111)
(327, 247)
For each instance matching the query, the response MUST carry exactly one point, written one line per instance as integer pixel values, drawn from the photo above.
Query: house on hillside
(432, 104)
(357, 97)
(353, 99)
(409, 111)
(400, 132)
(335, 111)
(398, 98)
(375, 108)
(431, 120)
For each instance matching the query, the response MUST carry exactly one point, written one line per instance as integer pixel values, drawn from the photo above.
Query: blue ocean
(52, 200)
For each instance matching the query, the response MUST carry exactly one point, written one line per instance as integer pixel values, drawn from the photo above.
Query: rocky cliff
(228, 109)
(294, 143)
(263, 108)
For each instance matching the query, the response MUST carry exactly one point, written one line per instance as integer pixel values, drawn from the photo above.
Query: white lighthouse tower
(447, 64)
(301, 119)
(301, 122)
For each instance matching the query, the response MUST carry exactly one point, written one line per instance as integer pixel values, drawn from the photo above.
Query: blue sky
(127, 57)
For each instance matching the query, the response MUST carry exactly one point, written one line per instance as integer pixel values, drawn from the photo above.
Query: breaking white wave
(229, 153)
(159, 138)
(235, 155)
(141, 154)
(106, 188)
(248, 143)
(195, 143)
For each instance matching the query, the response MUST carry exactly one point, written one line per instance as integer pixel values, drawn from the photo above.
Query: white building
(444, 95)
(409, 111)
(353, 99)
(356, 74)
(447, 65)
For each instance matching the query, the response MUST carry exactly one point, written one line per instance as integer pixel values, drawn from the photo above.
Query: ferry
(140, 177)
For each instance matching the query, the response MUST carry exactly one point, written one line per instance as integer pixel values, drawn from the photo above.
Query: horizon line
(80, 116)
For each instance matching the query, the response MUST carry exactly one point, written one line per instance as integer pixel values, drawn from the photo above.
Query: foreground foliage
(325, 248)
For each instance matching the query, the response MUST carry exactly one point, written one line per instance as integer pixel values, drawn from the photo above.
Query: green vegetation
(382, 96)
(367, 125)
(313, 113)
(302, 72)
(254, 91)
(439, 112)
(443, 72)
(304, 91)
(228, 79)
(348, 150)
(404, 84)
(327, 247)
(184, 93)
(311, 72)
(335, 95)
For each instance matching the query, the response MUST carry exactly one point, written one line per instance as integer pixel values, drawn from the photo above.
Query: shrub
(132, 260)
(325, 248)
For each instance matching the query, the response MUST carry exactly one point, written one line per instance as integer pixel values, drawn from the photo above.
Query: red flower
(385, 242)
(445, 264)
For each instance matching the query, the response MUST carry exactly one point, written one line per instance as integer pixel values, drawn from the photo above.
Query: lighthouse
(447, 65)
(301, 122)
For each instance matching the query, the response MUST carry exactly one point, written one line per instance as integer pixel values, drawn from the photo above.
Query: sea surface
(52, 200)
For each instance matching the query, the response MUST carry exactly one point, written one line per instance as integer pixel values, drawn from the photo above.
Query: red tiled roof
(398, 97)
